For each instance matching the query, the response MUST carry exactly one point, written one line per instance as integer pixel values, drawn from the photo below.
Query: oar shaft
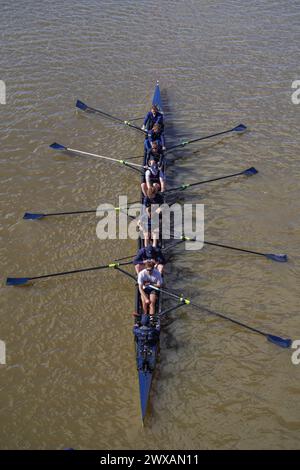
(198, 183)
(225, 317)
(74, 271)
(217, 179)
(235, 248)
(126, 272)
(197, 140)
(80, 152)
(114, 118)
(70, 213)
(208, 137)
(211, 312)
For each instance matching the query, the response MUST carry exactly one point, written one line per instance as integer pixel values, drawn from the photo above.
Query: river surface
(70, 378)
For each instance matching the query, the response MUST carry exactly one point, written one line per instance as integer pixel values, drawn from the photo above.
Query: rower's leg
(153, 298)
(154, 239)
(144, 188)
(162, 185)
(146, 238)
(145, 305)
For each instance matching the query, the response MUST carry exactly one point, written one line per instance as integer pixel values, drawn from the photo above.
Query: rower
(146, 335)
(153, 197)
(149, 227)
(152, 117)
(149, 222)
(156, 134)
(154, 177)
(156, 153)
(149, 296)
(149, 253)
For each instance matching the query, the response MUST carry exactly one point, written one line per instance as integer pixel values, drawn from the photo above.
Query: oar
(282, 342)
(60, 147)
(38, 216)
(19, 281)
(239, 129)
(85, 107)
(281, 258)
(249, 172)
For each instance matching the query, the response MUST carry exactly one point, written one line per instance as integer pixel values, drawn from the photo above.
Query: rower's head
(150, 251)
(154, 109)
(156, 128)
(155, 147)
(152, 161)
(149, 265)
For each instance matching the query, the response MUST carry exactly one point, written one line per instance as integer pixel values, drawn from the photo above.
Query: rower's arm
(142, 292)
(146, 119)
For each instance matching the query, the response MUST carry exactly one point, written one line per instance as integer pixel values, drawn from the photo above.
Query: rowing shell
(147, 344)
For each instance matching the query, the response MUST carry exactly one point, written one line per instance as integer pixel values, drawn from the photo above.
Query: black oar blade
(81, 105)
(240, 128)
(30, 216)
(282, 342)
(280, 258)
(251, 171)
(16, 281)
(57, 146)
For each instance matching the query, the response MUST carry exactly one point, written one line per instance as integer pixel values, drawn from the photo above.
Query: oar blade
(81, 105)
(240, 128)
(282, 342)
(251, 171)
(57, 146)
(280, 258)
(31, 216)
(16, 281)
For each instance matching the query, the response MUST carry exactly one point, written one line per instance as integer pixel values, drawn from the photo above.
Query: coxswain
(152, 117)
(149, 276)
(149, 253)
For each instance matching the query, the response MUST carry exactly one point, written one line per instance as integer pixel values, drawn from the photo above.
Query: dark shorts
(149, 291)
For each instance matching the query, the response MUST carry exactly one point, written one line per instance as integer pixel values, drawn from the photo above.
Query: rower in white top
(149, 276)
